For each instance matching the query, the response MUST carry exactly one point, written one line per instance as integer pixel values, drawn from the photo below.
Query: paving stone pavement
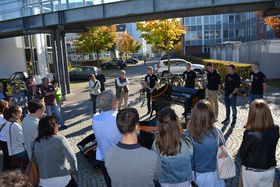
(77, 112)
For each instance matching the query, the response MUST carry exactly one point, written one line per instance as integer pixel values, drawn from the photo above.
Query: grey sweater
(55, 157)
(132, 166)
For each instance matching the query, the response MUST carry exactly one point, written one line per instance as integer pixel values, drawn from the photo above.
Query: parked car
(177, 66)
(82, 72)
(116, 63)
(132, 61)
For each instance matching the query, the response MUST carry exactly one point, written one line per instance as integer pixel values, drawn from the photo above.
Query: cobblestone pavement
(77, 112)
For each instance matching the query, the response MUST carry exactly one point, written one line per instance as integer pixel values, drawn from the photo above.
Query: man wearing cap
(151, 81)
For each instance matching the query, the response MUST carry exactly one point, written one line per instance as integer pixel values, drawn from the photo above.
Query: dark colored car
(82, 72)
(132, 61)
(117, 63)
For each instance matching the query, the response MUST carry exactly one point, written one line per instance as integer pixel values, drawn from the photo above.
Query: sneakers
(226, 121)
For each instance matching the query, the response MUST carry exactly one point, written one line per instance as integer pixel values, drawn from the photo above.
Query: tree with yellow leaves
(126, 44)
(97, 40)
(163, 34)
(274, 23)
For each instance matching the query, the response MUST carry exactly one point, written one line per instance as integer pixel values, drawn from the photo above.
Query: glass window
(218, 34)
(199, 35)
(225, 18)
(212, 19)
(193, 21)
(206, 20)
(225, 33)
(218, 27)
(237, 18)
(218, 19)
(231, 33)
(206, 27)
(199, 20)
(231, 19)
(212, 27)
(26, 41)
(199, 28)
(193, 28)
(48, 38)
(212, 34)
(187, 21)
(206, 34)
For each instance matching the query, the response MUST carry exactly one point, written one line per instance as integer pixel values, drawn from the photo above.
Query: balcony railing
(11, 9)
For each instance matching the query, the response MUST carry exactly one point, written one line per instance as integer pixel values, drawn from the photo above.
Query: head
(255, 66)
(16, 88)
(47, 127)
(123, 74)
(128, 121)
(36, 108)
(55, 83)
(13, 113)
(202, 120)
(1, 87)
(14, 178)
(92, 77)
(150, 70)
(209, 67)
(168, 139)
(46, 81)
(188, 66)
(106, 101)
(4, 105)
(259, 117)
(231, 69)
(30, 79)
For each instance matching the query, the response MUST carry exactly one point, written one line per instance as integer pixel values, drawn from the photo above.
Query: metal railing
(11, 9)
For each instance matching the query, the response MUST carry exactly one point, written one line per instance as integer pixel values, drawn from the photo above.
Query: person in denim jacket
(175, 154)
(205, 135)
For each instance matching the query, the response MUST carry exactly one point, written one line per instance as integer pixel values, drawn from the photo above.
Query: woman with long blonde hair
(207, 140)
(258, 147)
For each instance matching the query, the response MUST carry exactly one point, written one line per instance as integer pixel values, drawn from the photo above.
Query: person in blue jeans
(48, 93)
(258, 83)
(232, 82)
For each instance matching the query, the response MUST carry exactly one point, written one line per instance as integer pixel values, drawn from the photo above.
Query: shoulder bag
(32, 171)
(225, 165)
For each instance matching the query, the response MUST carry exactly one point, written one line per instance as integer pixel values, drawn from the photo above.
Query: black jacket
(258, 148)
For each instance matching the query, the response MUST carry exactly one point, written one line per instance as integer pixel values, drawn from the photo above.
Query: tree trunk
(169, 62)
(98, 61)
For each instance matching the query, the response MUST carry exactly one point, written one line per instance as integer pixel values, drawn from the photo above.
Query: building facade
(205, 31)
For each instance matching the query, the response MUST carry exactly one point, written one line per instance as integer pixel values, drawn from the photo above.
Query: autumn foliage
(126, 44)
(274, 23)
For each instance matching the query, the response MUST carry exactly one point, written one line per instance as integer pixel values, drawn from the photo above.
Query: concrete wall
(12, 56)
(265, 52)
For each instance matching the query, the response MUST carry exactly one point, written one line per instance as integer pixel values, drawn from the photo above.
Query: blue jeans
(93, 99)
(252, 97)
(53, 109)
(231, 102)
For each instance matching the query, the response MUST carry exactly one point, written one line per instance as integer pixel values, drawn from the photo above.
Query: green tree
(97, 40)
(126, 44)
(163, 34)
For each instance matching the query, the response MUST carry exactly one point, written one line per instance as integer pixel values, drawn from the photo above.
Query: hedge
(243, 70)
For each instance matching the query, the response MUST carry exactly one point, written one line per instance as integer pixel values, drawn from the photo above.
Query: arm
(158, 169)
(50, 93)
(264, 86)
(69, 154)
(245, 145)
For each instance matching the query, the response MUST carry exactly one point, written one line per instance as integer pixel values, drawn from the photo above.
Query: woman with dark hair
(206, 138)
(175, 154)
(258, 147)
(4, 106)
(56, 168)
(15, 140)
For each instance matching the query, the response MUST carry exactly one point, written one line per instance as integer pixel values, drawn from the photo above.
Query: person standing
(213, 87)
(94, 88)
(18, 98)
(48, 92)
(127, 163)
(30, 124)
(258, 147)
(101, 78)
(105, 128)
(4, 106)
(2, 93)
(30, 88)
(122, 89)
(232, 83)
(58, 94)
(151, 82)
(258, 83)
(189, 76)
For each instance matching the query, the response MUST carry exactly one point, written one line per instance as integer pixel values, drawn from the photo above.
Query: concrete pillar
(60, 60)
(66, 70)
(42, 67)
(55, 64)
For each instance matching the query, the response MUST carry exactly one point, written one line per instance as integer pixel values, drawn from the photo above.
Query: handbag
(32, 171)
(225, 165)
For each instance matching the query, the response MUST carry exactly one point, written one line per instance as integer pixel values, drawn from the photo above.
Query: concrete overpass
(124, 11)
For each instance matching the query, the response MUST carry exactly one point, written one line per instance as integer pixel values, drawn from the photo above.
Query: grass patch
(274, 82)
(78, 84)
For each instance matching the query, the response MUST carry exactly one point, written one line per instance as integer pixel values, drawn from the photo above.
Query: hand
(151, 90)
(230, 96)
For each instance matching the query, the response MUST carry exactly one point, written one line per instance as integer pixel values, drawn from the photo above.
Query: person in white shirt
(105, 128)
(30, 124)
(15, 140)
(122, 89)
(4, 106)
(94, 88)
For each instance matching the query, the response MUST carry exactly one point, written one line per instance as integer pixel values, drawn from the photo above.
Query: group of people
(35, 137)
(173, 160)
